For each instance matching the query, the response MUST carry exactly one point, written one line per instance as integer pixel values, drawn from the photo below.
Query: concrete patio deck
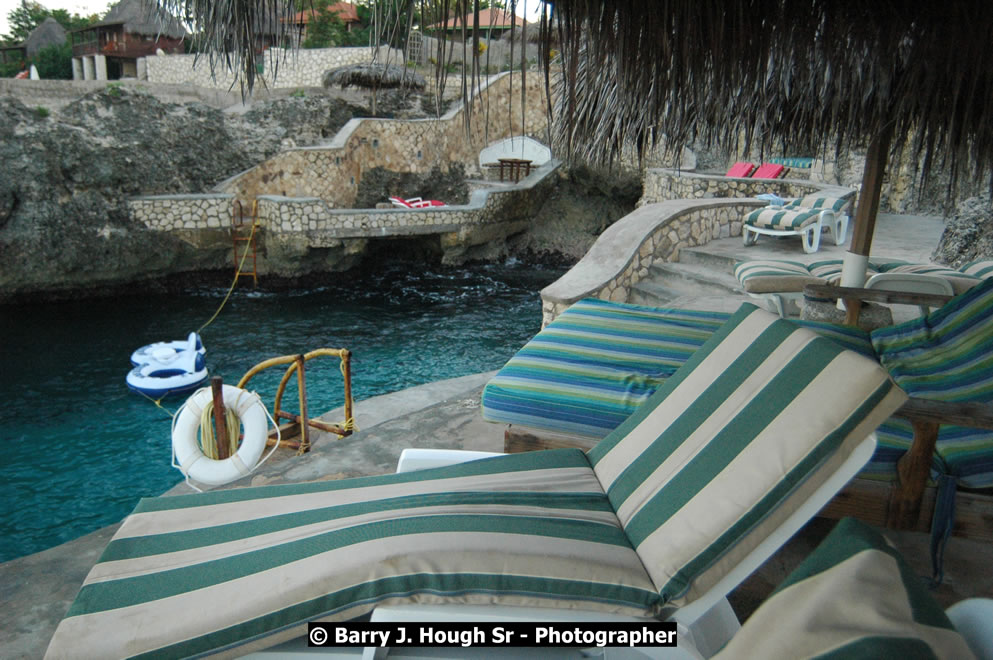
(36, 590)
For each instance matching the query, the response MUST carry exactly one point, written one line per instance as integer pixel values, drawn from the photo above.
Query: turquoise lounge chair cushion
(947, 356)
(781, 220)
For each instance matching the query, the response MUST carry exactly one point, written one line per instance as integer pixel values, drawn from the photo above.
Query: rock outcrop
(65, 177)
(968, 234)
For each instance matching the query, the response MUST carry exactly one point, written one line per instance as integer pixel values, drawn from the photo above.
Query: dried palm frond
(374, 75)
(782, 73)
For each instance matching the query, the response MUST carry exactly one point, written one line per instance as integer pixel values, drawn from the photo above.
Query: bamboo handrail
(297, 363)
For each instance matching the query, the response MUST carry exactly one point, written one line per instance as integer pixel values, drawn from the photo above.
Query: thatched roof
(382, 76)
(783, 72)
(48, 33)
(143, 17)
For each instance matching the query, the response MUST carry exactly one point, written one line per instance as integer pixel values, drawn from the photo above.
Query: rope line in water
(237, 274)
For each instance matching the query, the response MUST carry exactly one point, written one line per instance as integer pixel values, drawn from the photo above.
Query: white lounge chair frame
(811, 234)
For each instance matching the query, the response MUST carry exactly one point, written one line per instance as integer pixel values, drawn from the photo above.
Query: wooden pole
(346, 374)
(302, 386)
(220, 423)
(872, 186)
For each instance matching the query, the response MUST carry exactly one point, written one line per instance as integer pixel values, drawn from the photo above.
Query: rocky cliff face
(968, 234)
(65, 177)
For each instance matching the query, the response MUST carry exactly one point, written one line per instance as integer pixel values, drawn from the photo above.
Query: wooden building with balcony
(132, 29)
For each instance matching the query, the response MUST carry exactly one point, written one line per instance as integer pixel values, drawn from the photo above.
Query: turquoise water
(79, 449)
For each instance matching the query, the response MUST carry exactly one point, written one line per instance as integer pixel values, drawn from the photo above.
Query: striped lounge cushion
(819, 203)
(733, 443)
(960, 281)
(853, 597)
(803, 163)
(774, 276)
(948, 356)
(771, 218)
(591, 367)
(189, 575)
(980, 268)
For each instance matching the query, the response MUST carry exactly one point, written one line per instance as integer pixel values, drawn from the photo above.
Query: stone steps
(700, 280)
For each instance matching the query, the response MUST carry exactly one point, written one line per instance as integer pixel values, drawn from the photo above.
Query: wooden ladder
(243, 236)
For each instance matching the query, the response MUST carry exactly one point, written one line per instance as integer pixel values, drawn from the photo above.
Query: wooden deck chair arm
(875, 295)
(914, 467)
(854, 297)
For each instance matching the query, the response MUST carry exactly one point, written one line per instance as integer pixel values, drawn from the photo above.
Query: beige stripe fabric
(164, 522)
(760, 419)
(862, 597)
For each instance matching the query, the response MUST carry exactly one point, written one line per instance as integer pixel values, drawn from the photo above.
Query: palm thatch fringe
(374, 75)
(780, 72)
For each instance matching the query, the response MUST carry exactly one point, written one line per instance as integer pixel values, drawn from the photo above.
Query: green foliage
(114, 89)
(10, 69)
(325, 30)
(54, 62)
(27, 17)
(42, 112)
(298, 93)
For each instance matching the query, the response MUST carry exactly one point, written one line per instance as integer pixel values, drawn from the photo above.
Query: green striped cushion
(774, 276)
(195, 574)
(819, 202)
(771, 218)
(946, 356)
(853, 597)
(830, 270)
(733, 443)
(961, 282)
(979, 268)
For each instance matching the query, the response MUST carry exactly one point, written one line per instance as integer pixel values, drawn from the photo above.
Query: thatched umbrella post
(374, 76)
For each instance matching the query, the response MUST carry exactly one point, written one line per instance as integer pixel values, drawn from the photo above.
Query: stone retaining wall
(677, 210)
(662, 184)
(318, 225)
(180, 212)
(292, 68)
(622, 255)
(332, 172)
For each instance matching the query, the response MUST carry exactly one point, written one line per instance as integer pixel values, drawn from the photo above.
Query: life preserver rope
(187, 453)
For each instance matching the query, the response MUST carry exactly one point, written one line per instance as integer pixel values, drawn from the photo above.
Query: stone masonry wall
(654, 233)
(299, 68)
(179, 212)
(331, 173)
(664, 184)
(279, 214)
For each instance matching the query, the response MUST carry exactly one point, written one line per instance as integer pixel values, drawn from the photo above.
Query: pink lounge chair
(769, 171)
(740, 170)
(415, 203)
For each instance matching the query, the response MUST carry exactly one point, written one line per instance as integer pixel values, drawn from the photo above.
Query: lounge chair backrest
(980, 268)
(819, 202)
(740, 170)
(768, 171)
(733, 443)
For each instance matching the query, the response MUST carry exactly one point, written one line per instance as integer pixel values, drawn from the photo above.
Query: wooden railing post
(220, 422)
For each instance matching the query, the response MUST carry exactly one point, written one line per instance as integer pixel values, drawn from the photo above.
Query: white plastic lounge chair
(661, 519)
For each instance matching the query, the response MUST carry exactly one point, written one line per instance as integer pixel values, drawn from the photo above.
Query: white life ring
(191, 459)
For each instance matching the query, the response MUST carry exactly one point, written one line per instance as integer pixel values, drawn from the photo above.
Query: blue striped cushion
(947, 356)
(591, 367)
(196, 574)
(961, 282)
(802, 163)
(730, 445)
(853, 597)
(771, 218)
